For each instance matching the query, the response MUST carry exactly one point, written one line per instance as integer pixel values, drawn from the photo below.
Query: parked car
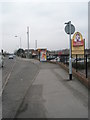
(54, 60)
(1, 61)
(50, 57)
(80, 60)
(57, 59)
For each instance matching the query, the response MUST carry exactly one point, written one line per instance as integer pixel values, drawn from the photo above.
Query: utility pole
(28, 40)
(20, 43)
(35, 44)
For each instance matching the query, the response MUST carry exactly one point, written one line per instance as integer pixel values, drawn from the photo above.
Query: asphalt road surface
(18, 75)
(36, 89)
(8, 67)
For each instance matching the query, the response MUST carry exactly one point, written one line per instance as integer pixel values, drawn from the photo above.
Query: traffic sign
(67, 29)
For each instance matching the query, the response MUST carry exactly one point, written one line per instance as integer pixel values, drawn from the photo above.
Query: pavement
(52, 95)
(0, 93)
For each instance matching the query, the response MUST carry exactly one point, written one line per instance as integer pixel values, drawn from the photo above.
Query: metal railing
(80, 63)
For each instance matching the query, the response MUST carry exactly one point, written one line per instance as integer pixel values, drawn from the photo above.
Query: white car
(1, 61)
(11, 56)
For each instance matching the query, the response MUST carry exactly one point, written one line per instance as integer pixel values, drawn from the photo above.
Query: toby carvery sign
(78, 44)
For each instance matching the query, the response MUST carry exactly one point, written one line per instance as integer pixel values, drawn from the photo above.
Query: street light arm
(15, 36)
(20, 39)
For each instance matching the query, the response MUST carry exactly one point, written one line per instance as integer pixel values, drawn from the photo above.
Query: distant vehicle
(1, 61)
(11, 56)
(79, 60)
(51, 57)
(82, 60)
(57, 59)
(54, 60)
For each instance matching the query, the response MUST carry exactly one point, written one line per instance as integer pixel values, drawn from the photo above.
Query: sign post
(70, 58)
(70, 29)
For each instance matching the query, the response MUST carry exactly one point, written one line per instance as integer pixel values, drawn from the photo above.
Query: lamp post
(28, 41)
(35, 44)
(20, 40)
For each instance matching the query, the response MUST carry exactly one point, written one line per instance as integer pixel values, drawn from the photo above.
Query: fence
(80, 63)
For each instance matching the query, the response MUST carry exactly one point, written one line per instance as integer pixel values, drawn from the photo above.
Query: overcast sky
(45, 20)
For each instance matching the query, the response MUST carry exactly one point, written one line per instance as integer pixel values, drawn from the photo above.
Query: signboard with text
(78, 44)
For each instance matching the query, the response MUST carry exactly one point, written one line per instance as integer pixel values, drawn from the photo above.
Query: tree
(20, 52)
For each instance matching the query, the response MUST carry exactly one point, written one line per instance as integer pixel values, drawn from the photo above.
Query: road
(17, 77)
(8, 67)
(41, 90)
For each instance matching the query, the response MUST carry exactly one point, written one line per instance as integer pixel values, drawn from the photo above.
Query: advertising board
(43, 56)
(78, 44)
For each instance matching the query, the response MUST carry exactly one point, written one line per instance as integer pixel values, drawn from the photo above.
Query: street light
(28, 41)
(20, 40)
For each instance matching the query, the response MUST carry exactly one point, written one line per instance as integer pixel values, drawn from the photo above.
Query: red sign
(78, 43)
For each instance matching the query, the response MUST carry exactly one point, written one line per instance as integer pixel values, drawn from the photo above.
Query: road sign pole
(70, 29)
(70, 58)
